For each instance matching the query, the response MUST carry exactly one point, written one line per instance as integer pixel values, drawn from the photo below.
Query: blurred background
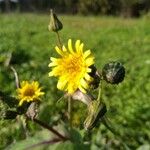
(126, 8)
(114, 30)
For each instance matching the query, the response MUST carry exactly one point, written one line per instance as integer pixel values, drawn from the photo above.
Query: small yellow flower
(72, 68)
(29, 92)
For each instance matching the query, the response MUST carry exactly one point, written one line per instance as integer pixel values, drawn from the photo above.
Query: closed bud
(54, 25)
(113, 72)
(96, 112)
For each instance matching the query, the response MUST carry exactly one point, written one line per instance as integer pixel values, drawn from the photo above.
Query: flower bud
(113, 72)
(54, 25)
(96, 112)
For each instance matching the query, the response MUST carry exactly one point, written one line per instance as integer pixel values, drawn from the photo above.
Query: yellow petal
(53, 73)
(89, 61)
(61, 84)
(41, 93)
(86, 54)
(21, 102)
(54, 59)
(77, 45)
(52, 64)
(72, 87)
(82, 89)
(88, 77)
(81, 48)
(70, 46)
(23, 83)
(88, 70)
(59, 51)
(64, 49)
(35, 83)
(84, 83)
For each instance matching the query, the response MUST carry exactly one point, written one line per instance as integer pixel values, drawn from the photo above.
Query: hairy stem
(16, 76)
(70, 111)
(100, 92)
(58, 38)
(42, 124)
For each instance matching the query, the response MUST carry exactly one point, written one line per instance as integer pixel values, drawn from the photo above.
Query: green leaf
(75, 136)
(144, 147)
(42, 140)
(10, 114)
(10, 101)
(68, 145)
(32, 142)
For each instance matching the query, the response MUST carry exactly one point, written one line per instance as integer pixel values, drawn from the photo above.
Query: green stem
(16, 76)
(100, 92)
(69, 98)
(59, 41)
(70, 111)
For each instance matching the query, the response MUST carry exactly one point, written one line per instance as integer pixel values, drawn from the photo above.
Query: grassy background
(126, 40)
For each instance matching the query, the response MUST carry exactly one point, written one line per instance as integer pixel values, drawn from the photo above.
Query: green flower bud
(96, 112)
(54, 25)
(113, 72)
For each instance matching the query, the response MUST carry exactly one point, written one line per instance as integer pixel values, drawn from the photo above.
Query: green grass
(125, 40)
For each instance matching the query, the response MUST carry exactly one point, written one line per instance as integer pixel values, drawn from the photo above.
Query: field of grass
(126, 40)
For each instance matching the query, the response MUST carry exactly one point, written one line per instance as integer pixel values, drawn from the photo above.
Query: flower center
(74, 65)
(29, 92)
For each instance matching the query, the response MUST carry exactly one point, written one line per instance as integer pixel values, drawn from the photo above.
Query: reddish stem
(50, 129)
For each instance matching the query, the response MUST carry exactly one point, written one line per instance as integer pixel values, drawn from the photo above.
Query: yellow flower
(72, 68)
(29, 92)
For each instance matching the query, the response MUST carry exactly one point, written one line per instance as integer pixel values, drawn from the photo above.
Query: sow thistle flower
(72, 68)
(29, 92)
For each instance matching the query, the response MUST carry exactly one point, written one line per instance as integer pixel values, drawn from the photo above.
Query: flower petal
(88, 77)
(54, 59)
(89, 61)
(64, 49)
(21, 102)
(59, 51)
(81, 48)
(52, 64)
(55, 72)
(61, 83)
(82, 89)
(77, 45)
(88, 70)
(84, 83)
(86, 54)
(70, 46)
